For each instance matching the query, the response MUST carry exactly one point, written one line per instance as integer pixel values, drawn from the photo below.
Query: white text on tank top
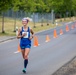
(26, 33)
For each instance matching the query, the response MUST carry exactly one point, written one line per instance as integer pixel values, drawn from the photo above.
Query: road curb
(11, 38)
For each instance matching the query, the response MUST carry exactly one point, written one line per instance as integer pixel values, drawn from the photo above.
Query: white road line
(16, 52)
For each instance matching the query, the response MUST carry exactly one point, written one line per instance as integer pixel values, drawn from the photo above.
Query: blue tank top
(25, 40)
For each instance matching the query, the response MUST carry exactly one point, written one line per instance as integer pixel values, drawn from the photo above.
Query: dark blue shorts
(25, 46)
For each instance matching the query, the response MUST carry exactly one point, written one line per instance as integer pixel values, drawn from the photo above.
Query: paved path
(44, 59)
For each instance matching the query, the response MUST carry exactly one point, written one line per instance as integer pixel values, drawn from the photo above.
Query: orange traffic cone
(72, 27)
(19, 49)
(55, 33)
(35, 41)
(47, 38)
(61, 31)
(75, 25)
(67, 28)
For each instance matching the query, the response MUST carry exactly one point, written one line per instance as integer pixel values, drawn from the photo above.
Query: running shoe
(24, 70)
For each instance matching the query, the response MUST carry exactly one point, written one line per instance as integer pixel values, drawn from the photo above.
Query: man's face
(24, 22)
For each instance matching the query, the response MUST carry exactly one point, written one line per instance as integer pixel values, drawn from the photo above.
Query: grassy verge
(9, 26)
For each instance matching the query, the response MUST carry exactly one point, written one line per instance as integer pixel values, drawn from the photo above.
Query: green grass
(9, 26)
(44, 27)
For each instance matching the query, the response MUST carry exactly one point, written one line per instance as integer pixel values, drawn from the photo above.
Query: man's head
(25, 21)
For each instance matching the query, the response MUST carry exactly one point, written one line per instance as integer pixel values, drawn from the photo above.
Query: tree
(15, 5)
(4, 6)
(74, 6)
(62, 6)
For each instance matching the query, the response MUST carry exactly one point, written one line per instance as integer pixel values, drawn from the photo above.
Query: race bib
(26, 34)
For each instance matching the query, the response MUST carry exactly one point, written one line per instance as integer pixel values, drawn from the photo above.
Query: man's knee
(26, 56)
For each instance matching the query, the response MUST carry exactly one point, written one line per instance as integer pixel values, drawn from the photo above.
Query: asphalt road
(44, 59)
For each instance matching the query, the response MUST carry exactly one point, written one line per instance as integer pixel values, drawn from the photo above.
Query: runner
(25, 41)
